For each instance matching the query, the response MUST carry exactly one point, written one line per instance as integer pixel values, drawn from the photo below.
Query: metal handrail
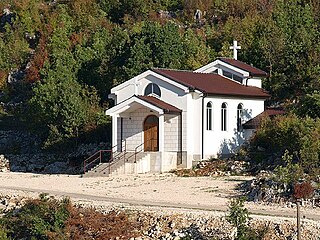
(117, 156)
(98, 156)
(135, 150)
(112, 162)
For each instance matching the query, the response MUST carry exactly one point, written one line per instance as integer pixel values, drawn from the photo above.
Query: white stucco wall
(193, 128)
(217, 141)
(169, 93)
(255, 82)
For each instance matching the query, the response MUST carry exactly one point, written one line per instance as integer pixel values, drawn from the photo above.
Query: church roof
(255, 122)
(254, 72)
(167, 108)
(212, 83)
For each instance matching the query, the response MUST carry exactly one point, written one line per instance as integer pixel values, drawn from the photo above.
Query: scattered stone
(214, 167)
(263, 188)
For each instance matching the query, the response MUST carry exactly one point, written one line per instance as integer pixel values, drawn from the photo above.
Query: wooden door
(150, 128)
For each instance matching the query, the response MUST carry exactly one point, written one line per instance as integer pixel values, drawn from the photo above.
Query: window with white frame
(239, 117)
(232, 76)
(209, 116)
(152, 89)
(224, 117)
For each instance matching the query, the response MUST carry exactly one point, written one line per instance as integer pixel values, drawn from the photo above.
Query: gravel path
(159, 190)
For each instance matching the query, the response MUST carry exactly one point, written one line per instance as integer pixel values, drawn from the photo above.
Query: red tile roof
(254, 72)
(255, 122)
(212, 83)
(167, 108)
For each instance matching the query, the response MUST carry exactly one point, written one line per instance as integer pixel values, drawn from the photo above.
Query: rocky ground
(174, 224)
(21, 151)
(264, 188)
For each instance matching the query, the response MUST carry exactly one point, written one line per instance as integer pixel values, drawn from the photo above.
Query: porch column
(161, 133)
(115, 131)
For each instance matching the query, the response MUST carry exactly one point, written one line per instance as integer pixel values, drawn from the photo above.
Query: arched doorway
(150, 129)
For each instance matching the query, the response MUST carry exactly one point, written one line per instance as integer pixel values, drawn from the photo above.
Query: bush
(63, 108)
(47, 218)
(3, 234)
(303, 190)
(39, 219)
(299, 136)
(290, 173)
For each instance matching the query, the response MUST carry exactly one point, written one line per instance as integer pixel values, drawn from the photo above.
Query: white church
(176, 118)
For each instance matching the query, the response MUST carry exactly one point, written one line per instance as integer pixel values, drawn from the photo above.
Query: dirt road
(165, 190)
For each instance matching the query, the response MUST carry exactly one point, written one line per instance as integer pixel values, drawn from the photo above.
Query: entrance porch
(148, 127)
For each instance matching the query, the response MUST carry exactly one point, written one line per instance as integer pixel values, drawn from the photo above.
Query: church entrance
(150, 129)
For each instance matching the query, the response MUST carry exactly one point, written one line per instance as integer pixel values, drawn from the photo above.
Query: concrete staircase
(125, 163)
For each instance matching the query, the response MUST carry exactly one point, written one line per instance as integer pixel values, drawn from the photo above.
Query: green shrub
(3, 234)
(39, 219)
(47, 218)
(290, 173)
(298, 136)
(239, 217)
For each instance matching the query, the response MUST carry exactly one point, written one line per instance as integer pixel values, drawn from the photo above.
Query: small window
(237, 78)
(227, 74)
(209, 116)
(152, 89)
(232, 76)
(239, 117)
(224, 117)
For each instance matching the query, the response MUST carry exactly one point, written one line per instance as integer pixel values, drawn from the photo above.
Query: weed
(239, 217)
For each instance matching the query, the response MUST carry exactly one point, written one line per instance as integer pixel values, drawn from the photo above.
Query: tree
(295, 63)
(61, 105)
(59, 102)
(309, 105)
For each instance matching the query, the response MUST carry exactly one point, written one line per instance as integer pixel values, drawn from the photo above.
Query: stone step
(122, 164)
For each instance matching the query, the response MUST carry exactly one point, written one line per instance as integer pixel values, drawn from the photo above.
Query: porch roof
(134, 102)
(166, 107)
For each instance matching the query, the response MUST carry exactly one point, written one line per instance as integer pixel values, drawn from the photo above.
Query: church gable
(235, 70)
(224, 66)
(149, 83)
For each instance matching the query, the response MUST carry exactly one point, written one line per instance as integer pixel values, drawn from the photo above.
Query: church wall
(193, 128)
(133, 128)
(171, 133)
(218, 142)
(184, 130)
(118, 140)
(125, 93)
(255, 82)
(169, 93)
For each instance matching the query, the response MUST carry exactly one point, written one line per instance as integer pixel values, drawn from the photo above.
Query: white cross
(235, 48)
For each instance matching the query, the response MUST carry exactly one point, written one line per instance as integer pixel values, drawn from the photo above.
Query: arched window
(239, 117)
(224, 117)
(209, 116)
(152, 89)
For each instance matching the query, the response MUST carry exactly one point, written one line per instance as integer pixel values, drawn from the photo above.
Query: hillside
(59, 59)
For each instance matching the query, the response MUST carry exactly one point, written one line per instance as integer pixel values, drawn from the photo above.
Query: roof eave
(250, 73)
(238, 95)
